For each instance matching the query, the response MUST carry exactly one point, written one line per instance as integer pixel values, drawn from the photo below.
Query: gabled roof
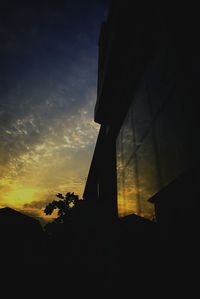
(8, 212)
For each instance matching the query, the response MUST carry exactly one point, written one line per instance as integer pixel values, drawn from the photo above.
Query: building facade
(147, 106)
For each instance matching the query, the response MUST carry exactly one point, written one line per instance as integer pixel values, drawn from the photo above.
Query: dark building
(21, 237)
(146, 159)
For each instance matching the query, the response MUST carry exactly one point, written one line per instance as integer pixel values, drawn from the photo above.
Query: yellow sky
(58, 163)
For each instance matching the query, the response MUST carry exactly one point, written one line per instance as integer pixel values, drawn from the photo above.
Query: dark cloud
(41, 204)
(49, 52)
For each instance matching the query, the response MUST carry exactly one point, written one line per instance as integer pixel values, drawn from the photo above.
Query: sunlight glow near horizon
(59, 163)
(20, 195)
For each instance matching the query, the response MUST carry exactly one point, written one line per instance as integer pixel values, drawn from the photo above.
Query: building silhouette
(21, 237)
(145, 167)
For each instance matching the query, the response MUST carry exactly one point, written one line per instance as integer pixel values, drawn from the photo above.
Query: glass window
(154, 143)
(126, 177)
(127, 138)
(136, 167)
(147, 175)
(127, 191)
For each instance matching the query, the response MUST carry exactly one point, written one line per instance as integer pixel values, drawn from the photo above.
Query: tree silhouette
(66, 206)
(78, 235)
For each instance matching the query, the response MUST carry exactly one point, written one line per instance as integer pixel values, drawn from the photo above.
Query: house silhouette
(21, 236)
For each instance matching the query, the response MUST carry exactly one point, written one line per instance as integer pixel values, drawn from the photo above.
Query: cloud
(41, 110)
(51, 159)
(48, 92)
(41, 204)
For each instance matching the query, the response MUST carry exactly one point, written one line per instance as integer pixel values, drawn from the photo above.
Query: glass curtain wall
(152, 144)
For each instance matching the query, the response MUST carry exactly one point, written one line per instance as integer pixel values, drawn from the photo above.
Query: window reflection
(147, 175)
(152, 148)
(127, 138)
(137, 179)
(136, 170)
(127, 191)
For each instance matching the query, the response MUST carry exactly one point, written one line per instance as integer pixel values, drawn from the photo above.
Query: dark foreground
(94, 257)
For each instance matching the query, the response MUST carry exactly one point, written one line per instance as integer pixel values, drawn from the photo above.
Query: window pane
(127, 191)
(127, 187)
(147, 175)
(127, 138)
(136, 171)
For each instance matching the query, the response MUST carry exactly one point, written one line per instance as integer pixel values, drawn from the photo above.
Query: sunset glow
(47, 98)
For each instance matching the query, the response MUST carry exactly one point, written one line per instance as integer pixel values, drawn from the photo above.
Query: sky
(48, 79)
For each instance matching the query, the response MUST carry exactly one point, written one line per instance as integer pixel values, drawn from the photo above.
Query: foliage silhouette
(66, 206)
